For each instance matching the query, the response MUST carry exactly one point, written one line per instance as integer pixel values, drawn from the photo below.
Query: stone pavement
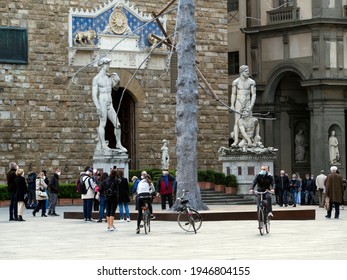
(70, 239)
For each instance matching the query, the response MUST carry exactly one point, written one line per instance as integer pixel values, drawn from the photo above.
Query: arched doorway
(292, 125)
(126, 116)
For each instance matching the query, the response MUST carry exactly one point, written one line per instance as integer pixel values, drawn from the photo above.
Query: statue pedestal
(246, 166)
(106, 160)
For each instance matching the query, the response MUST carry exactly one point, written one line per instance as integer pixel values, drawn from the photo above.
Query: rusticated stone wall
(47, 121)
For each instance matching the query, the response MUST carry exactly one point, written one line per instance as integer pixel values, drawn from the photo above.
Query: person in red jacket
(165, 187)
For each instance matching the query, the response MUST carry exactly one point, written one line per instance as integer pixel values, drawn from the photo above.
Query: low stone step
(209, 196)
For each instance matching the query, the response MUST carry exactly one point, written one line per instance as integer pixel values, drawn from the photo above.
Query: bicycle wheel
(267, 223)
(149, 221)
(145, 219)
(189, 220)
(261, 220)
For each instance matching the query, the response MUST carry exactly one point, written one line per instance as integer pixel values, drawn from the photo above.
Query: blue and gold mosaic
(99, 24)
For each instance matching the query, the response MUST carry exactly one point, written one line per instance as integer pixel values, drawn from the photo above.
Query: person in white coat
(41, 194)
(89, 196)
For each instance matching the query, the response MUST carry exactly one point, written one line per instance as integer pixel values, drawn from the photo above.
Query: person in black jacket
(264, 182)
(53, 189)
(21, 190)
(123, 196)
(111, 194)
(282, 189)
(11, 187)
(102, 201)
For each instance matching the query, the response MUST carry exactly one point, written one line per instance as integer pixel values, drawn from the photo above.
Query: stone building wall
(47, 121)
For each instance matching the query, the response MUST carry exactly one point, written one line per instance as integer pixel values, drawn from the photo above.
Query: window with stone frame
(13, 45)
(233, 63)
(284, 3)
(232, 5)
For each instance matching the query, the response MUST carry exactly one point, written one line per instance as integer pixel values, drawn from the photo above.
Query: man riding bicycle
(145, 190)
(265, 182)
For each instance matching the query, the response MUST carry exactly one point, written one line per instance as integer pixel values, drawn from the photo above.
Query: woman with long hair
(41, 195)
(21, 190)
(144, 191)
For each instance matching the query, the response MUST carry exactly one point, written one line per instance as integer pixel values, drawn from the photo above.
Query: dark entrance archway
(126, 116)
(292, 125)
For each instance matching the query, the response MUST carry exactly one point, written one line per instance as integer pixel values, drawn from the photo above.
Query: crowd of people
(296, 191)
(328, 188)
(35, 192)
(111, 191)
(103, 193)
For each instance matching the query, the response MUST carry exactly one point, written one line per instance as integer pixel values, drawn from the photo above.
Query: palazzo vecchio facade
(47, 115)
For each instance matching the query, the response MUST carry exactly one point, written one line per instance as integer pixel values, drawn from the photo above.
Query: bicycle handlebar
(267, 191)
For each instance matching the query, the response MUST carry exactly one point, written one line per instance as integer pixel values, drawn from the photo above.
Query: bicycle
(262, 213)
(188, 218)
(146, 215)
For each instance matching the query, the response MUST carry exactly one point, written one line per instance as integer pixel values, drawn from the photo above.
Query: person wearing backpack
(111, 193)
(79, 180)
(53, 189)
(31, 180)
(88, 195)
(123, 197)
(102, 202)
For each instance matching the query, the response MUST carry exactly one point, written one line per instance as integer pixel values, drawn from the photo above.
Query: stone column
(327, 106)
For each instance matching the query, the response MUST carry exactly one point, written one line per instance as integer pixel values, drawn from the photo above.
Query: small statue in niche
(300, 146)
(334, 153)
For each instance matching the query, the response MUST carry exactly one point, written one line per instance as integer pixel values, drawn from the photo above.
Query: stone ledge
(308, 214)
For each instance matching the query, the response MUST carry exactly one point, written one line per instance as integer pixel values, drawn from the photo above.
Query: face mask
(59, 173)
(165, 173)
(142, 177)
(263, 172)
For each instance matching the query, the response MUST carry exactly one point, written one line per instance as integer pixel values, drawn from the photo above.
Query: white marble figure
(334, 153)
(300, 145)
(103, 83)
(249, 128)
(243, 95)
(165, 158)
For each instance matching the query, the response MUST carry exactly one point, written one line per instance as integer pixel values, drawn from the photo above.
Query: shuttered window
(13, 45)
(233, 5)
(233, 63)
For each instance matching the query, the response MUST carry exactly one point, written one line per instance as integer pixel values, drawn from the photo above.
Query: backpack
(81, 187)
(31, 179)
(111, 187)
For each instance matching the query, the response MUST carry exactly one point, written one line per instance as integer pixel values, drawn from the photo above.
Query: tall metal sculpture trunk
(186, 105)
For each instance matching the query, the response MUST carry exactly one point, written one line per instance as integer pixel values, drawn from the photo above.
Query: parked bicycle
(188, 218)
(262, 213)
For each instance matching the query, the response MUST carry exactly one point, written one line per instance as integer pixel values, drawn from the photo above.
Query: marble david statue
(103, 83)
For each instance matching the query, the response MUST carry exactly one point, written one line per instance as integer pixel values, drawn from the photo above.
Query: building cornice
(285, 26)
(324, 82)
